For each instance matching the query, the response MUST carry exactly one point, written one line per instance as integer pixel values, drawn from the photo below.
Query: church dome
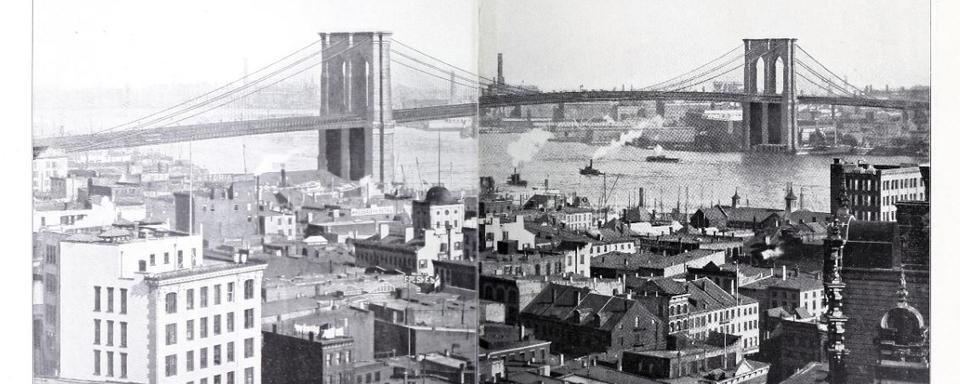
(439, 195)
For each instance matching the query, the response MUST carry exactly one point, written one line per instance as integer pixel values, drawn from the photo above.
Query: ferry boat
(662, 159)
(659, 157)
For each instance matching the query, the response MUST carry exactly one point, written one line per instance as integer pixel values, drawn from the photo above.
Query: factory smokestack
(500, 69)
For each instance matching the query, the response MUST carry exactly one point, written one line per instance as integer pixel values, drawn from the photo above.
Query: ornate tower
(833, 287)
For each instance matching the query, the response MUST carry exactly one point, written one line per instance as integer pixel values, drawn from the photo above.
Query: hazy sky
(601, 44)
(90, 43)
(555, 44)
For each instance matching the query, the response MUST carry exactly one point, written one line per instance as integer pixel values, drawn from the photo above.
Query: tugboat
(661, 158)
(515, 180)
(589, 170)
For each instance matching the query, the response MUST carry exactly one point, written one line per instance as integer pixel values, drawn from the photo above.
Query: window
(216, 324)
(203, 297)
(110, 332)
(179, 259)
(96, 331)
(96, 299)
(110, 364)
(230, 322)
(230, 292)
(248, 347)
(230, 378)
(216, 379)
(123, 334)
(248, 289)
(153, 259)
(189, 329)
(109, 299)
(203, 327)
(142, 265)
(171, 361)
(123, 365)
(96, 362)
(166, 257)
(203, 358)
(230, 351)
(123, 300)
(190, 298)
(248, 318)
(189, 361)
(171, 301)
(171, 334)
(248, 375)
(216, 294)
(216, 354)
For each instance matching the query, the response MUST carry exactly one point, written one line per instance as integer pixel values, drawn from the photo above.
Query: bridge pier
(774, 122)
(356, 82)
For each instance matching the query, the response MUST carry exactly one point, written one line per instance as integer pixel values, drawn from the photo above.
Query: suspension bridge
(357, 112)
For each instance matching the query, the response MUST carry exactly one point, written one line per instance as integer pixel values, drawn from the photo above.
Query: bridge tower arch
(355, 82)
(770, 100)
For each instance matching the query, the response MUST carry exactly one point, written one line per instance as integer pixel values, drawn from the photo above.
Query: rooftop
(210, 266)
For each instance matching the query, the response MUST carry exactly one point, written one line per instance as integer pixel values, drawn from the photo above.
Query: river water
(760, 178)
(458, 168)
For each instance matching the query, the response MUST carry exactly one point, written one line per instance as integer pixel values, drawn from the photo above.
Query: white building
(144, 306)
(437, 234)
(68, 216)
(47, 164)
(495, 229)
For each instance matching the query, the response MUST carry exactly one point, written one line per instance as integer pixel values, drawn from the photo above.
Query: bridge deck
(206, 131)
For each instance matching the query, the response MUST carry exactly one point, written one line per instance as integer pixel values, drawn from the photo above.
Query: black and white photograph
(483, 191)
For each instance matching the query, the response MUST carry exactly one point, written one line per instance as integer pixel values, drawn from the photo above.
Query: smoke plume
(529, 143)
(627, 137)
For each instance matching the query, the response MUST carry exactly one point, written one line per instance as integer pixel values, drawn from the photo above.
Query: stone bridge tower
(770, 105)
(356, 83)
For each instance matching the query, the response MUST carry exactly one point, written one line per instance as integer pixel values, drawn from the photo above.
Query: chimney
(283, 176)
(577, 296)
(500, 80)
(523, 332)
(546, 183)
(784, 275)
(310, 335)
(640, 203)
(561, 359)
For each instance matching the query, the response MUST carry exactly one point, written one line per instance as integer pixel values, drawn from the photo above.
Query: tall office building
(142, 305)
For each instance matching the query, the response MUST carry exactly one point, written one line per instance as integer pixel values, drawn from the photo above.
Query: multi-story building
(497, 228)
(437, 234)
(324, 346)
(579, 322)
(873, 190)
(47, 163)
(698, 308)
(145, 306)
(516, 292)
(412, 324)
(225, 213)
(788, 292)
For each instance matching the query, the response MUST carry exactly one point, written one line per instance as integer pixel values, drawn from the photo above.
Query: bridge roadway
(488, 101)
(206, 131)
(217, 130)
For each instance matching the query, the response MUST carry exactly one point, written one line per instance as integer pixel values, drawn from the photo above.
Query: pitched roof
(592, 310)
